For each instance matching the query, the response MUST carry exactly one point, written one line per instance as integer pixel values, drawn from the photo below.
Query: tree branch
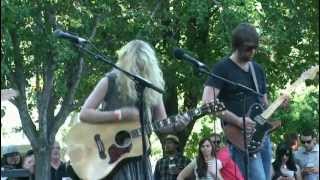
(67, 104)
(48, 87)
(20, 82)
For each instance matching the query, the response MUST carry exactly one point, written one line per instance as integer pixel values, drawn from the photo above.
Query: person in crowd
(307, 156)
(168, 167)
(284, 166)
(12, 158)
(229, 170)
(117, 94)
(29, 164)
(70, 171)
(240, 67)
(58, 167)
(205, 166)
(292, 139)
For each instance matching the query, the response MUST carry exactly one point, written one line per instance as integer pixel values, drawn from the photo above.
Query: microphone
(181, 54)
(60, 34)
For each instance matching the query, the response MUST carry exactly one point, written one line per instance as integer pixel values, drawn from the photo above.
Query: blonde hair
(139, 58)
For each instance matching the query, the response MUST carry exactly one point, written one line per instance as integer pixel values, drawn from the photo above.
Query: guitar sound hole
(123, 139)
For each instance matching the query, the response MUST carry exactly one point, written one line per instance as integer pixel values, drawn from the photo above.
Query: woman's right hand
(130, 113)
(250, 124)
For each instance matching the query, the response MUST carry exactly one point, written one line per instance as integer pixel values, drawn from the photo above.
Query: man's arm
(211, 93)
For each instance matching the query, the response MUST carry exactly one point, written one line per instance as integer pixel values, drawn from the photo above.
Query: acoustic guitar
(96, 149)
(257, 113)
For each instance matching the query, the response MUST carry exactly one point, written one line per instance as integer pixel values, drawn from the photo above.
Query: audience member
(284, 166)
(11, 158)
(292, 139)
(28, 163)
(58, 167)
(307, 156)
(230, 170)
(168, 167)
(205, 166)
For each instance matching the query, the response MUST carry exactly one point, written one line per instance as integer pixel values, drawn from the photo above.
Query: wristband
(118, 114)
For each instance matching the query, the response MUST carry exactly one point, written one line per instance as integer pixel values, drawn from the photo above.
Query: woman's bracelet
(118, 114)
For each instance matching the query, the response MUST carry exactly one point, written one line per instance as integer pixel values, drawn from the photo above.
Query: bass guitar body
(254, 140)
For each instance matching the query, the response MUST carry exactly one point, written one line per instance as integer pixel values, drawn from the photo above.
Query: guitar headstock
(310, 73)
(215, 106)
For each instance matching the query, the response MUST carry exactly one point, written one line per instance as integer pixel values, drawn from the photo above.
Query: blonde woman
(206, 166)
(117, 94)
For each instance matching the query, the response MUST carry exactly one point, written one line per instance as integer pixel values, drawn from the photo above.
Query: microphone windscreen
(178, 53)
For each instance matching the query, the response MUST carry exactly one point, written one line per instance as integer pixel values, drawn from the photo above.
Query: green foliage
(289, 44)
(303, 112)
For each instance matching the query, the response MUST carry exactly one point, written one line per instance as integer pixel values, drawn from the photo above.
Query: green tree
(47, 72)
(44, 71)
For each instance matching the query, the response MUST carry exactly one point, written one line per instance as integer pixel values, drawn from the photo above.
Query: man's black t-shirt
(231, 95)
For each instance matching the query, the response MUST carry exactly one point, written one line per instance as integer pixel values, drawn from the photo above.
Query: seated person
(11, 158)
(284, 166)
(230, 170)
(58, 167)
(205, 166)
(307, 156)
(168, 167)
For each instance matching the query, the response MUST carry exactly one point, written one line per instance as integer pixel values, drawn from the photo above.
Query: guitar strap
(254, 77)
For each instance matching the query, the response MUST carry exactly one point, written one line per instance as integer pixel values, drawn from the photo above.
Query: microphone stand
(201, 68)
(140, 85)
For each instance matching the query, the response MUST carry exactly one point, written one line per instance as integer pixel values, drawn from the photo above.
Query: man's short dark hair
(308, 132)
(29, 153)
(244, 33)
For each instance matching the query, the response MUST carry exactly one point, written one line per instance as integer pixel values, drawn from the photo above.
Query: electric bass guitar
(257, 113)
(96, 149)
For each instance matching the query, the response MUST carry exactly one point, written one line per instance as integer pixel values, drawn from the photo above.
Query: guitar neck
(187, 117)
(309, 74)
(171, 121)
(275, 105)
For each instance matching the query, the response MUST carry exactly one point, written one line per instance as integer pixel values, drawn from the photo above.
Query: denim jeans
(266, 155)
(259, 166)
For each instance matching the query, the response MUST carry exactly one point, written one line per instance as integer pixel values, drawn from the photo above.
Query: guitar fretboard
(172, 121)
(309, 74)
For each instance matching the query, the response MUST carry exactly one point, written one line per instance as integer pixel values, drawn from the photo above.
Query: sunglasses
(304, 142)
(250, 48)
(216, 142)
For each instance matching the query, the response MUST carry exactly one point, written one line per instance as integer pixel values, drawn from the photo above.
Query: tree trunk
(43, 167)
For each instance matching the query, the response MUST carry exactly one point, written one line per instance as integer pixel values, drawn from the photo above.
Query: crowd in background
(296, 158)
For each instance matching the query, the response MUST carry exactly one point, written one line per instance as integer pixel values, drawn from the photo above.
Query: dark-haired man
(168, 167)
(307, 157)
(236, 67)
